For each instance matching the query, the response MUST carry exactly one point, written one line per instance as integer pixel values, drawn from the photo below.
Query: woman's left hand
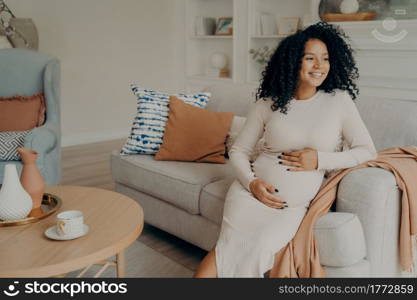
(301, 160)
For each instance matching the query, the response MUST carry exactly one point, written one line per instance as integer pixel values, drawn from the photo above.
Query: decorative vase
(27, 36)
(219, 62)
(15, 202)
(349, 6)
(31, 179)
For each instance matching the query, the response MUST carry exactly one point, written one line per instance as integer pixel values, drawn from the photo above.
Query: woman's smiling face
(315, 64)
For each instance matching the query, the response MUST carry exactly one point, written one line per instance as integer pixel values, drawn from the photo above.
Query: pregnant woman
(304, 110)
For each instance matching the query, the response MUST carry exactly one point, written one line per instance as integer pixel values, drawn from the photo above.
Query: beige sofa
(359, 239)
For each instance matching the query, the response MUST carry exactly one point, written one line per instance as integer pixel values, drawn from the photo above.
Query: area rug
(142, 261)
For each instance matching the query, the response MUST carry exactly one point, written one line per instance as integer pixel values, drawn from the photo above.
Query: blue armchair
(27, 72)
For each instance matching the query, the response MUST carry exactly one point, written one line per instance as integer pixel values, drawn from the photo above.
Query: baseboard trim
(93, 137)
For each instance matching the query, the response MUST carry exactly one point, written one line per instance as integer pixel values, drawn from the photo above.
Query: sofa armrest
(43, 139)
(340, 239)
(373, 195)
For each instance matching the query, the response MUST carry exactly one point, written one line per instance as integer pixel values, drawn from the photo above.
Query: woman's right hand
(264, 192)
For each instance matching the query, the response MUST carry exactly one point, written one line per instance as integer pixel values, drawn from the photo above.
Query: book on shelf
(204, 26)
(268, 24)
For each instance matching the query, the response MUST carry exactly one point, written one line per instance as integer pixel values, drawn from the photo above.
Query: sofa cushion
(194, 134)
(179, 183)
(399, 123)
(340, 239)
(152, 112)
(9, 142)
(242, 96)
(19, 113)
(212, 199)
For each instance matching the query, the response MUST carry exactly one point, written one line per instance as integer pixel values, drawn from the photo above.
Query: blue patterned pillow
(9, 142)
(152, 113)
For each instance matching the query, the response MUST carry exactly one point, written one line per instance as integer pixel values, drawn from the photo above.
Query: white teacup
(70, 222)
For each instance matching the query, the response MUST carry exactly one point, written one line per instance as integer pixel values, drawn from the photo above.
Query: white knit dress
(251, 232)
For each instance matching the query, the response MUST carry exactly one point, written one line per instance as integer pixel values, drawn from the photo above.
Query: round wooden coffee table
(115, 221)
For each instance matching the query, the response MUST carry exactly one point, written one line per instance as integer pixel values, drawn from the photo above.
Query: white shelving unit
(276, 36)
(200, 48)
(211, 37)
(246, 36)
(243, 69)
(277, 9)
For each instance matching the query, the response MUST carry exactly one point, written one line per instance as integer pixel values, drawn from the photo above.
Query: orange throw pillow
(20, 113)
(194, 134)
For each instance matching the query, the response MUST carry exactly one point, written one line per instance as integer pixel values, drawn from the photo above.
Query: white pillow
(152, 113)
(237, 125)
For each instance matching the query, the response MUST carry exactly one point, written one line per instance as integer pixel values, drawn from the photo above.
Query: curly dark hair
(281, 74)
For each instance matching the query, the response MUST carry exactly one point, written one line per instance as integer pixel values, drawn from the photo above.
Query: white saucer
(52, 234)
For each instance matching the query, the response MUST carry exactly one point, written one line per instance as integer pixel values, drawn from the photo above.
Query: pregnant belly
(296, 188)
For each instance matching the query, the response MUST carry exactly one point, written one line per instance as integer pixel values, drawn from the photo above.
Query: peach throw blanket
(300, 257)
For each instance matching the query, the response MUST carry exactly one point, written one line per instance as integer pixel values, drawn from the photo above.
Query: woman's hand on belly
(302, 160)
(264, 192)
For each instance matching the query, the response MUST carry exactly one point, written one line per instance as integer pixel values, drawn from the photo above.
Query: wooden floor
(89, 165)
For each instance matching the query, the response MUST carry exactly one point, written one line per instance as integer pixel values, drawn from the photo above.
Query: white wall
(103, 46)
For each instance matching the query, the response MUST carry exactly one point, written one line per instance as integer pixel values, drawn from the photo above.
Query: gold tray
(366, 16)
(50, 204)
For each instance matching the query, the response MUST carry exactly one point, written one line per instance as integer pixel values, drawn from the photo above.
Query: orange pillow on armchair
(194, 134)
(20, 113)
